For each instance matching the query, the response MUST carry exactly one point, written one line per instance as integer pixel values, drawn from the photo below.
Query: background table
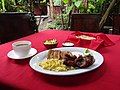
(17, 74)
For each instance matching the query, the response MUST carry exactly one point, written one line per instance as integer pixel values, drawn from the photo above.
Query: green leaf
(65, 1)
(86, 52)
(69, 9)
(74, 1)
(91, 6)
(57, 2)
(78, 3)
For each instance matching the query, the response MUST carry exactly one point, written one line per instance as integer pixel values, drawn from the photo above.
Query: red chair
(16, 25)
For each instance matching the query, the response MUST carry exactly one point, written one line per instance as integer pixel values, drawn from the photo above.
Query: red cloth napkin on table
(101, 40)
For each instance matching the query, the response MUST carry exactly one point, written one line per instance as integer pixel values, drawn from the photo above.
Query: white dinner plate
(13, 55)
(76, 50)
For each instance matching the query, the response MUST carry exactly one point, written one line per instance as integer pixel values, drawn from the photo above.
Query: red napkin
(101, 40)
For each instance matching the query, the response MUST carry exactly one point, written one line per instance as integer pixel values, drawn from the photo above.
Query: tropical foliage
(14, 5)
(85, 6)
(73, 6)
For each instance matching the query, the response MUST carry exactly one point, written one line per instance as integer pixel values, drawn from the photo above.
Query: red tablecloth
(17, 74)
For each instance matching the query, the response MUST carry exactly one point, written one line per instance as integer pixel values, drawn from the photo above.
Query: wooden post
(85, 4)
(51, 9)
(62, 18)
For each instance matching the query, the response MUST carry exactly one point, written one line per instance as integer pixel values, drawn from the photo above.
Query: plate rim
(61, 73)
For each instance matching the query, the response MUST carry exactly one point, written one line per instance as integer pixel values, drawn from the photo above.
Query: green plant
(81, 6)
(57, 2)
(13, 6)
(57, 23)
(85, 6)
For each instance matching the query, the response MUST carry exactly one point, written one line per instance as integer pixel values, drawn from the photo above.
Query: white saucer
(12, 54)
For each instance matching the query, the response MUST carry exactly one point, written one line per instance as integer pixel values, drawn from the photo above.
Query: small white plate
(12, 54)
(76, 51)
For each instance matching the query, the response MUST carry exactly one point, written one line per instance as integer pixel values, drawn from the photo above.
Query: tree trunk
(103, 20)
(51, 9)
(85, 4)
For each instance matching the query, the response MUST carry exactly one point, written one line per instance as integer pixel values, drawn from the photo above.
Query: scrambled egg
(53, 65)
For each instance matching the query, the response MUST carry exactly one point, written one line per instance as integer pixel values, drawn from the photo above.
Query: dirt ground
(42, 22)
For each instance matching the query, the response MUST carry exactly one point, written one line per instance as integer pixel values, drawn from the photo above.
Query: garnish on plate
(86, 52)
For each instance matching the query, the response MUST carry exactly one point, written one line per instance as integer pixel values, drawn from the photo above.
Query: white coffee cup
(21, 48)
